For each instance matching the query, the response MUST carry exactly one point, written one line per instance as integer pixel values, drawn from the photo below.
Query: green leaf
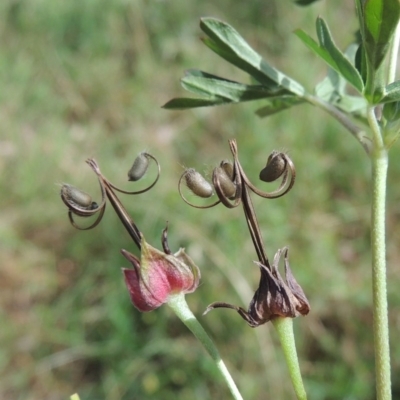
(228, 43)
(328, 51)
(204, 84)
(304, 2)
(217, 90)
(182, 103)
(391, 111)
(332, 90)
(379, 21)
(227, 55)
(360, 62)
(391, 93)
(277, 104)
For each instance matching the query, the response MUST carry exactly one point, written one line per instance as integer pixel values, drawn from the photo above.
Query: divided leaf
(282, 91)
(205, 84)
(327, 50)
(230, 45)
(217, 90)
(332, 90)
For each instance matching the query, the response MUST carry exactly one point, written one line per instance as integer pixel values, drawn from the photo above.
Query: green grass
(87, 79)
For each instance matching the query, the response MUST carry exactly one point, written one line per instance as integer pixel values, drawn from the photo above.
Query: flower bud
(74, 196)
(275, 167)
(197, 184)
(139, 167)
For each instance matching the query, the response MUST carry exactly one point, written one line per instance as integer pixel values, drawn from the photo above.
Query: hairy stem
(284, 327)
(379, 158)
(181, 309)
(380, 306)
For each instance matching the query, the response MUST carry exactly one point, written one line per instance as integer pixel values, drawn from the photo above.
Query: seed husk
(197, 184)
(139, 167)
(227, 166)
(71, 194)
(227, 186)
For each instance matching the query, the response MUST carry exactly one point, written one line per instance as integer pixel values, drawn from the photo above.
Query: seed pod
(197, 184)
(227, 186)
(227, 166)
(72, 195)
(139, 167)
(276, 165)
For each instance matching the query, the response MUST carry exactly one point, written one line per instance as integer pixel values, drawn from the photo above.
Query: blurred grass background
(86, 78)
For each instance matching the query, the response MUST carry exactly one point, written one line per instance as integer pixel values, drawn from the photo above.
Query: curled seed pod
(227, 166)
(139, 167)
(76, 197)
(197, 184)
(225, 182)
(276, 165)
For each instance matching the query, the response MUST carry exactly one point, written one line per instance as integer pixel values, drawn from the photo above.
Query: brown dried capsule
(227, 166)
(139, 167)
(227, 186)
(197, 184)
(76, 197)
(276, 165)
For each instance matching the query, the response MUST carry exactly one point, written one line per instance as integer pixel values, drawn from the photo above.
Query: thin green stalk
(379, 158)
(181, 309)
(284, 327)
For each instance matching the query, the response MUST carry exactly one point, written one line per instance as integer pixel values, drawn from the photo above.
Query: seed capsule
(227, 166)
(275, 167)
(72, 195)
(197, 184)
(226, 184)
(139, 167)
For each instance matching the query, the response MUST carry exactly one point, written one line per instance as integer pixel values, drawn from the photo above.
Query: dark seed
(275, 167)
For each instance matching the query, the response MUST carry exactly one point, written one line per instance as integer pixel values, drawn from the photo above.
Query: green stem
(284, 327)
(376, 132)
(379, 159)
(380, 306)
(181, 309)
